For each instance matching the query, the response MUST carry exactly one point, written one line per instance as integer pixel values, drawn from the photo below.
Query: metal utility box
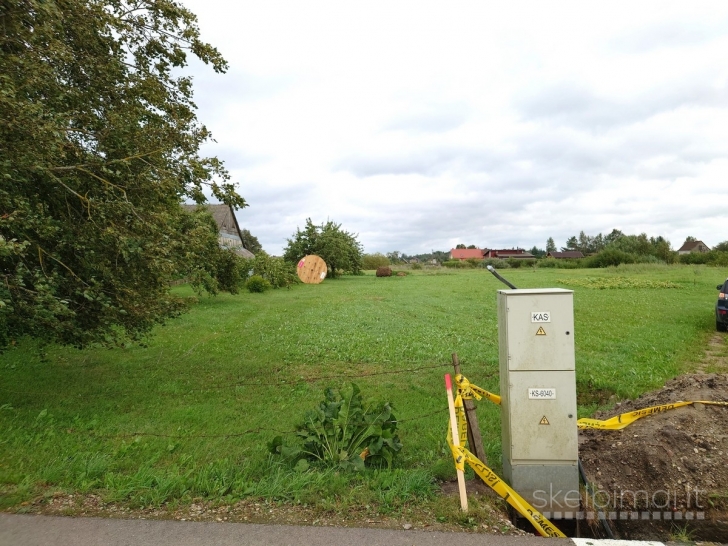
(538, 398)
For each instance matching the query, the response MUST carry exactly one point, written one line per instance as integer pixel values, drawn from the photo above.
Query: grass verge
(187, 415)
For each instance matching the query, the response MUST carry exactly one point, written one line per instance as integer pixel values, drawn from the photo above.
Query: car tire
(720, 326)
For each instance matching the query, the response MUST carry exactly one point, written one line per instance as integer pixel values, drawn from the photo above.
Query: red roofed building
(466, 254)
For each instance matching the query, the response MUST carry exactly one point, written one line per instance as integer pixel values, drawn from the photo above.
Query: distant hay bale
(384, 271)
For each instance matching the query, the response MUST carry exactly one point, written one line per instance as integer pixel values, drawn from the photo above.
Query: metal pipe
(501, 279)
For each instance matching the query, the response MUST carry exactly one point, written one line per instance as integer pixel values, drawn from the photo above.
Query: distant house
(566, 254)
(506, 253)
(466, 254)
(229, 235)
(693, 246)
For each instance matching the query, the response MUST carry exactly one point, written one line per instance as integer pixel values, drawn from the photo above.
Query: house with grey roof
(689, 247)
(229, 234)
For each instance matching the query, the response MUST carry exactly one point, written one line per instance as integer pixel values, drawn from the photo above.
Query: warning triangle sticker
(541, 331)
(544, 421)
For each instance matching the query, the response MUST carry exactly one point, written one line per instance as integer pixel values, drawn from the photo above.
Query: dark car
(721, 308)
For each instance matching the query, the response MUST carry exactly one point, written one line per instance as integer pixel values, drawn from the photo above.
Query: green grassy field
(189, 414)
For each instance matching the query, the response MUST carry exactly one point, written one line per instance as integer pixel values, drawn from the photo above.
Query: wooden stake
(456, 442)
(475, 440)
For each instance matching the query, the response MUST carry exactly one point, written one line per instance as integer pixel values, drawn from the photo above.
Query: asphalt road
(30, 530)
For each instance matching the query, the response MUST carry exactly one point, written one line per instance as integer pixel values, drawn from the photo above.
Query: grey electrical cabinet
(538, 398)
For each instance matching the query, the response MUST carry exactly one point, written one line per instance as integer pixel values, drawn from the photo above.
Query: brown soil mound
(670, 468)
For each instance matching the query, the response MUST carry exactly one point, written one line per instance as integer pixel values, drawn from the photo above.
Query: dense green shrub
(276, 271)
(340, 249)
(474, 262)
(714, 257)
(609, 257)
(416, 266)
(256, 283)
(694, 258)
(553, 263)
(496, 263)
(344, 431)
(515, 263)
(374, 261)
(719, 258)
(648, 259)
(457, 264)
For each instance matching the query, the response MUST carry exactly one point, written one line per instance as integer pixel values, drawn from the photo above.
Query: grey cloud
(566, 150)
(572, 157)
(437, 120)
(668, 170)
(672, 34)
(425, 162)
(478, 217)
(575, 105)
(273, 202)
(234, 86)
(233, 157)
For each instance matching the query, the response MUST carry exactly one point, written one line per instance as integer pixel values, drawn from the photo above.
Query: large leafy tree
(340, 249)
(251, 242)
(99, 145)
(550, 245)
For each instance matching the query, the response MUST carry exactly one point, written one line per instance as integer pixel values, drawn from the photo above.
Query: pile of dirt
(669, 467)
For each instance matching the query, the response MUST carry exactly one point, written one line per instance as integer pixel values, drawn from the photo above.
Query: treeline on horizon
(599, 251)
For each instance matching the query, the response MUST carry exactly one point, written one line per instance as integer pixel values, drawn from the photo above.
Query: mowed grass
(188, 415)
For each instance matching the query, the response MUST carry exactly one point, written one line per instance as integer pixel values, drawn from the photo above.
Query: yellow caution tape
(462, 421)
(461, 455)
(469, 391)
(457, 455)
(620, 421)
(537, 519)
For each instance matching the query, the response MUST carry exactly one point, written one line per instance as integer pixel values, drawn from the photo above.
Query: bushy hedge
(609, 257)
(553, 263)
(374, 261)
(256, 283)
(515, 263)
(496, 263)
(276, 271)
(471, 263)
(457, 264)
(714, 257)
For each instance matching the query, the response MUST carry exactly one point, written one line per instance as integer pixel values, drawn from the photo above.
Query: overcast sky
(421, 125)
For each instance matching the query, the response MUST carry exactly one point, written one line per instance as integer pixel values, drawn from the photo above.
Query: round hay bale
(384, 271)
